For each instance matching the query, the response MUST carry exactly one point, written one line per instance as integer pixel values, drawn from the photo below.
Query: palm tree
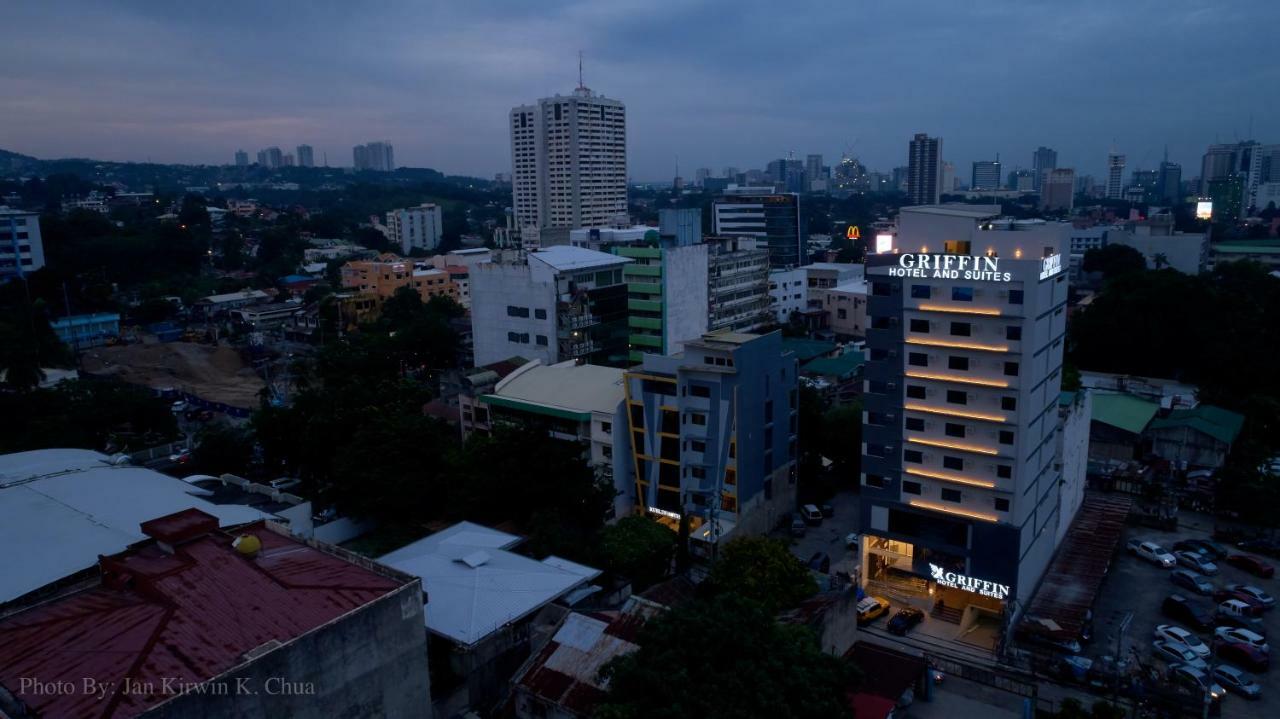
(1160, 260)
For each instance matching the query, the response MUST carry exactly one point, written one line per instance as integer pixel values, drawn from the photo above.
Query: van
(812, 515)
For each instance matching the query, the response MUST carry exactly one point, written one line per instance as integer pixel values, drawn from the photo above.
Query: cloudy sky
(713, 83)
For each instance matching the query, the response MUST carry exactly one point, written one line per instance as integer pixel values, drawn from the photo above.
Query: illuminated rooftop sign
(1050, 266)
(968, 584)
(950, 267)
(852, 233)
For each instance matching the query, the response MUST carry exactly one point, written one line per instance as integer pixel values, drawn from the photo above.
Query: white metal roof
(61, 508)
(566, 258)
(577, 388)
(471, 596)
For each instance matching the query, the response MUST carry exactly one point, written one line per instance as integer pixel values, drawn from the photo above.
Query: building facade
(415, 228)
(21, 247)
(242, 158)
(1058, 189)
(924, 167)
(772, 218)
(271, 157)
(569, 161)
(986, 175)
(1042, 161)
(667, 296)
(306, 156)
(384, 276)
(1115, 176)
(737, 284)
(714, 435)
(960, 487)
(374, 156)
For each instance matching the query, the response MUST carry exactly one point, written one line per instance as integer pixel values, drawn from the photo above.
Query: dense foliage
(763, 570)
(637, 548)
(100, 415)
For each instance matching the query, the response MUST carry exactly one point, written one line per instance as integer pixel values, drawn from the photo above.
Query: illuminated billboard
(884, 243)
(1204, 210)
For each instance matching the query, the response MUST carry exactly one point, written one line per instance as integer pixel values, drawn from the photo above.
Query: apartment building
(383, 276)
(21, 248)
(415, 228)
(737, 284)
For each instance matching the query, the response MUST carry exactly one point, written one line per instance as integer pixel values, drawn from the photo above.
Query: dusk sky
(715, 83)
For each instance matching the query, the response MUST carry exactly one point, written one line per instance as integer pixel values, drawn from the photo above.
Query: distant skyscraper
(948, 178)
(1223, 161)
(924, 165)
(569, 161)
(1115, 176)
(375, 156)
(899, 179)
(306, 157)
(1264, 169)
(287, 160)
(271, 157)
(700, 175)
(986, 176)
(812, 168)
(1145, 183)
(1169, 183)
(1057, 191)
(242, 158)
(777, 170)
(1045, 159)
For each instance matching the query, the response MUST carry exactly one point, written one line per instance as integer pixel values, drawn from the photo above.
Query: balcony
(577, 349)
(576, 321)
(648, 323)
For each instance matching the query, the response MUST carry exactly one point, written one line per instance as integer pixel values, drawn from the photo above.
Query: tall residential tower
(924, 168)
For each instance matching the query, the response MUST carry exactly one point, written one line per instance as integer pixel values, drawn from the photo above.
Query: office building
(948, 178)
(374, 156)
(415, 228)
(900, 178)
(1169, 182)
(774, 219)
(554, 304)
(1057, 190)
(1042, 161)
(667, 295)
(1223, 161)
(271, 158)
(960, 488)
(986, 176)
(242, 158)
(1115, 176)
(924, 166)
(737, 284)
(813, 172)
(714, 435)
(1227, 195)
(21, 247)
(569, 161)
(306, 156)
(1264, 169)
(195, 620)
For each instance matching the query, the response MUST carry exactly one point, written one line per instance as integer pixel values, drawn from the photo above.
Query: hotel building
(960, 486)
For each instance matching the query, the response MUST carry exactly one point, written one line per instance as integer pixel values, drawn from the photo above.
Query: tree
(27, 345)
(725, 658)
(224, 449)
(637, 548)
(100, 415)
(763, 570)
(1114, 261)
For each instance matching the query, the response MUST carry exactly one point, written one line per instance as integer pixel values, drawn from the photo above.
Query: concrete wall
(1073, 455)
(684, 298)
(496, 286)
(371, 662)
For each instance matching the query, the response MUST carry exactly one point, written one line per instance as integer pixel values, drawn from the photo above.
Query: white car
(1177, 635)
(179, 406)
(1243, 636)
(1153, 553)
(1198, 562)
(1177, 654)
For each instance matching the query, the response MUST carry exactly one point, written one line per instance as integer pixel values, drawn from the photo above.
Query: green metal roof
(1066, 398)
(842, 366)
(1221, 424)
(807, 349)
(1123, 411)
(534, 408)
(1247, 247)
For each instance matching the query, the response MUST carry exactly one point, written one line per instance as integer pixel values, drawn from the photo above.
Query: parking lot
(828, 537)
(1137, 586)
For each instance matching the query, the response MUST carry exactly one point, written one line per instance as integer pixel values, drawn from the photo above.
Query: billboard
(1204, 210)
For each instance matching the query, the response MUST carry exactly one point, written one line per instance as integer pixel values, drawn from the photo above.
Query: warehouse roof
(1221, 424)
(1123, 411)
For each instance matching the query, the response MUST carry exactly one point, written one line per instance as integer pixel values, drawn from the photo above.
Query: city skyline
(175, 99)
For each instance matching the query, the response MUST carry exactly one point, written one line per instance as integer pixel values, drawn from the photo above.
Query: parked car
(182, 456)
(905, 620)
(1238, 681)
(1243, 621)
(798, 526)
(871, 609)
(1252, 565)
(828, 510)
(812, 515)
(820, 562)
(1188, 579)
(1212, 550)
(1261, 546)
(1176, 654)
(1244, 655)
(1152, 552)
(1196, 615)
(1261, 597)
(178, 407)
(1196, 561)
(1177, 635)
(1233, 635)
(1197, 680)
(1251, 608)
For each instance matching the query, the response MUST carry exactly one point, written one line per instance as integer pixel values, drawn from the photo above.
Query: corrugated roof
(841, 366)
(566, 671)
(1221, 424)
(806, 349)
(566, 258)
(1123, 411)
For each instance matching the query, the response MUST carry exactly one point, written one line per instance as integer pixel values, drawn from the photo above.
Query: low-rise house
(1197, 437)
(219, 305)
(84, 331)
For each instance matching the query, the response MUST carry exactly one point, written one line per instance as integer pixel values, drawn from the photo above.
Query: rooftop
(566, 671)
(565, 258)
(186, 612)
(234, 296)
(61, 508)
(477, 586)
(1221, 424)
(842, 366)
(1123, 411)
(566, 386)
(956, 209)
(806, 349)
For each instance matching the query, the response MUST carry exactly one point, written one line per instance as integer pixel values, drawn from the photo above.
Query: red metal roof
(187, 616)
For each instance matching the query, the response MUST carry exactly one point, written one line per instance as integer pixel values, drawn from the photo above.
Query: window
(915, 391)
(956, 396)
(961, 329)
(513, 311)
(920, 326)
(698, 472)
(542, 340)
(955, 430)
(842, 314)
(954, 463)
(1011, 369)
(698, 390)
(698, 418)
(540, 314)
(879, 354)
(958, 363)
(1004, 471)
(1009, 404)
(921, 292)
(1006, 437)
(914, 456)
(880, 323)
(910, 487)
(880, 289)
(915, 424)
(951, 495)
(918, 359)
(1002, 504)
(962, 294)
(875, 480)
(606, 427)
(1015, 297)
(513, 337)
(1013, 332)
(875, 450)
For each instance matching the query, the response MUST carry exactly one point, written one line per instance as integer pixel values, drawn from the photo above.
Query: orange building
(387, 273)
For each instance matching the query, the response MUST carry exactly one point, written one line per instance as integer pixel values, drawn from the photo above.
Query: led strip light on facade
(950, 478)
(954, 413)
(953, 445)
(957, 378)
(956, 345)
(959, 310)
(952, 510)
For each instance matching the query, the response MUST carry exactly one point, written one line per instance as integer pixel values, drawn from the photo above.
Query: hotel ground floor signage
(968, 584)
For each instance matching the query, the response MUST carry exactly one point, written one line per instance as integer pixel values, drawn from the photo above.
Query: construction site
(215, 373)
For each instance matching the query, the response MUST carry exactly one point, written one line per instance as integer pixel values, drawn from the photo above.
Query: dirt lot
(213, 373)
